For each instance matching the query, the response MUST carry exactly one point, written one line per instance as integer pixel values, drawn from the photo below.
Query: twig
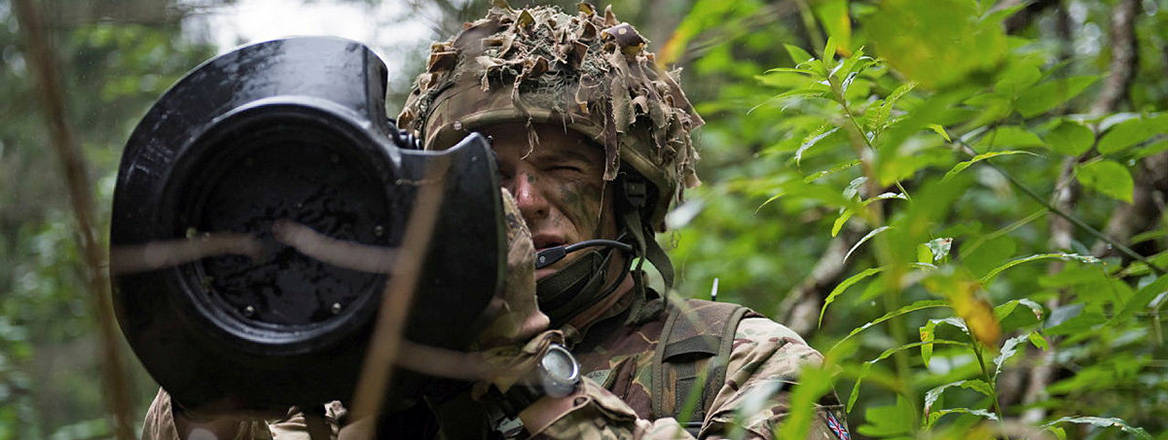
(1061, 212)
(976, 346)
(1124, 57)
(386, 340)
(39, 53)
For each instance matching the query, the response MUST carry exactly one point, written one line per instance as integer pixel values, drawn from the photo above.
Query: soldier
(593, 142)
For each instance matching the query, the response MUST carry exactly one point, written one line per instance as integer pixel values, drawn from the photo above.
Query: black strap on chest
(691, 357)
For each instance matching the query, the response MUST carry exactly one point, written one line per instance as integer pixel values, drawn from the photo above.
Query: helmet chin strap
(635, 194)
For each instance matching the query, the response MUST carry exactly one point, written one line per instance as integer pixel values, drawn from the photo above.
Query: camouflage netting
(587, 72)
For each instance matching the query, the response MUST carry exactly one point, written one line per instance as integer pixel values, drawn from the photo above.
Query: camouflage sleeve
(160, 423)
(764, 365)
(594, 413)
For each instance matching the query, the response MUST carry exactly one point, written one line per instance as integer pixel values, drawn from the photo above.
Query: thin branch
(1062, 211)
(39, 53)
(386, 341)
(1124, 58)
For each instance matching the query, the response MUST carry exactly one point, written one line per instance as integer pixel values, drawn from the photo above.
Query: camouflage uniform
(765, 356)
(592, 74)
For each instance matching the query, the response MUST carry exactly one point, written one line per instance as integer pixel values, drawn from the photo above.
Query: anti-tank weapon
(257, 214)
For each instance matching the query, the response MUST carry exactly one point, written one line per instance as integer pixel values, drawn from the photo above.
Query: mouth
(544, 241)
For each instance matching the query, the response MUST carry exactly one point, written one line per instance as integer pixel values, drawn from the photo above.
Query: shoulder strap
(698, 335)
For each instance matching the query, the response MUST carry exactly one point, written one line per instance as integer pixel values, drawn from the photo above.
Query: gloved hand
(517, 314)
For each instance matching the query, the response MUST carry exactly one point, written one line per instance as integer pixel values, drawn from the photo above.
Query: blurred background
(117, 56)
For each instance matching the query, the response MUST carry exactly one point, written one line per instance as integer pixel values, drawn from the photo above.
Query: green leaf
(940, 129)
(1070, 138)
(768, 201)
(798, 55)
(1062, 256)
(1009, 136)
(1107, 177)
(810, 142)
(936, 415)
(1141, 299)
(1149, 235)
(1150, 149)
(984, 258)
(884, 355)
(1038, 341)
(865, 238)
(829, 55)
(856, 388)
(884, 196)
(853, 188)
(938, 44)
(1104, 422)
(1048, 95)
(961, 166)
(940, 248)
(843, 286)
(789, 70)
(919, 305)
(974, 384)
(1131, 132)
(1016, 78)
(889, 420)
(1059, 433)
(833, 15)
(928, 334)
(1005, 315)
(1007, 308)
(814, 383)
(841, 221)
(1009, 349)
(819, 174)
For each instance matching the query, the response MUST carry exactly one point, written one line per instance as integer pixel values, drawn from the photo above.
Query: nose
(529, 196)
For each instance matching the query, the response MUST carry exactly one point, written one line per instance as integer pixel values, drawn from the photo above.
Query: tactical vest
(689, 362)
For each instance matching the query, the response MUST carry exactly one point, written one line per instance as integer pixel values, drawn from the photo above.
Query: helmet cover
(587, 72)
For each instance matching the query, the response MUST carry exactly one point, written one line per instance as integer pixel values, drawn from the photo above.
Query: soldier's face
(557, 180)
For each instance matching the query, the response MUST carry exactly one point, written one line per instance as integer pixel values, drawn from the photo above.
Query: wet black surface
(308, 179)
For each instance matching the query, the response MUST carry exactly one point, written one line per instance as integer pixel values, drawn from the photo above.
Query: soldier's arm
(763, 367)
(594, 412)
(165, 421)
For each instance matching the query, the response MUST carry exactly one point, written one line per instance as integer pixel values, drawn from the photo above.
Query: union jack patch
(840, 429)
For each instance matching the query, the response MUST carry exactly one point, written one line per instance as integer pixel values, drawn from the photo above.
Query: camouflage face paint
(559, 185)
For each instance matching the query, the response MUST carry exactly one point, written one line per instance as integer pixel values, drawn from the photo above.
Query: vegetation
(970, 178)
(960, 202)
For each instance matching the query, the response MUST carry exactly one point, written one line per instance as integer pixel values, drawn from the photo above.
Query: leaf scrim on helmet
(588, 72)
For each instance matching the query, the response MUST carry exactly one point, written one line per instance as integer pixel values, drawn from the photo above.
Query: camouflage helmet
(587, 72)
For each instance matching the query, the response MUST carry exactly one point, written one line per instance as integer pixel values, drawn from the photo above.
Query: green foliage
(924, 144)
(111, 72)
(896, 131)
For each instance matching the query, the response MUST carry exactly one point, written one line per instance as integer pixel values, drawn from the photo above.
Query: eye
(569, 169)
